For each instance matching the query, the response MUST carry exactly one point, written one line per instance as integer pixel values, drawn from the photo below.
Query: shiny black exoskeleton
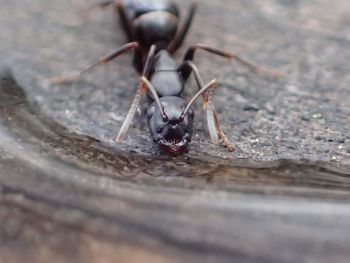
(155, 31)
(154, 26)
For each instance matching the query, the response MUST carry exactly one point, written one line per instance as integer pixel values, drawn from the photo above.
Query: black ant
(155, 33)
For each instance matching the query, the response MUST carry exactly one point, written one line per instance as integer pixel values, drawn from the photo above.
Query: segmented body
(155, 22)
(154, 33)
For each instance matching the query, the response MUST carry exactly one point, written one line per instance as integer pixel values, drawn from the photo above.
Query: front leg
(142, 89)
(214, 128)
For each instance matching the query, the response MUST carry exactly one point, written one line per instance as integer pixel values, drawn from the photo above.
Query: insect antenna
(155, 96)
(208, 102)
(144, 86)
(211, 84)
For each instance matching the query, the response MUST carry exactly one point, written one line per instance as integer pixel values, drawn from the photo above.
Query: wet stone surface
(69, 193)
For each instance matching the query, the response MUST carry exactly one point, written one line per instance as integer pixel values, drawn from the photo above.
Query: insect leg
(125, 22)
(102, 4)
(183, 30)
(97, 6)
(214, 128)
(214, 122)
(136, 101)
(115, 53)
(186, 68)
(224, 139)
(251, 66)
